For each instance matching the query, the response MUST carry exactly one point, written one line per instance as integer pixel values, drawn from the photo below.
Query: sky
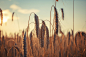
(23, 8)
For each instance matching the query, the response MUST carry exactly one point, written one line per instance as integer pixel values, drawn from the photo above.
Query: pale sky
(23, 8)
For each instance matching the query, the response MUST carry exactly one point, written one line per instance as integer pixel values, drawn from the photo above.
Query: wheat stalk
(56, 20)
(1, 17)
(31, 44)
(42, 33)
(12, 15)
(37, 24)
(24, 42)
(68, 38)
(56, 25)
(47, 36)
(62, 13)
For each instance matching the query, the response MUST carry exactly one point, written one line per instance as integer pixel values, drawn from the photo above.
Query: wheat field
(63, 46)
(39, 43)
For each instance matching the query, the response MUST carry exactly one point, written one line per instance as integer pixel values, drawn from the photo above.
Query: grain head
(56, 20)
(47, 36)
(12, 15)
(42, 33)
(37, 24)
(62, 13)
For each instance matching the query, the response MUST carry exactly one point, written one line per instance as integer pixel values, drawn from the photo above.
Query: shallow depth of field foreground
(64, 46)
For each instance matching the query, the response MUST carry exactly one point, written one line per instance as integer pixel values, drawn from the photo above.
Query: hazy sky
(23, 8)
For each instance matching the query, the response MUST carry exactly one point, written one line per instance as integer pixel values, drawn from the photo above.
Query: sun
(4, 20)
(5, 17)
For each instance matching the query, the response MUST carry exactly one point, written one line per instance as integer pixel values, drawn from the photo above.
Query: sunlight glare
(4, 20)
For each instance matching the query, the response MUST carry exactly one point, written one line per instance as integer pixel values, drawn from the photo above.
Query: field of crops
(40, 42)
(64, 46)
